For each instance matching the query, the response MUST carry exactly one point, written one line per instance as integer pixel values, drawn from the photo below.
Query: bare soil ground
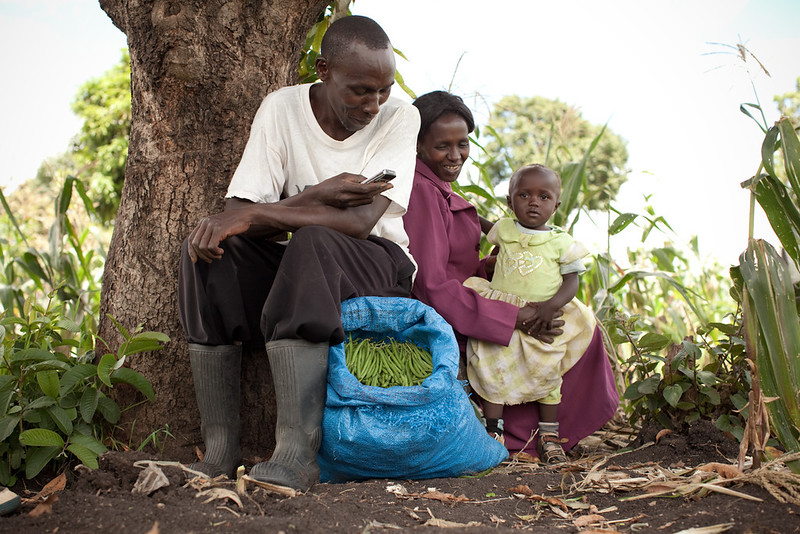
(646, 487)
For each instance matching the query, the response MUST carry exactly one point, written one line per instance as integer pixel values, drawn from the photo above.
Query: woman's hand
(538, 320)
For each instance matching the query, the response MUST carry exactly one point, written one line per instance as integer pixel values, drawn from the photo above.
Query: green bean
(387, 363)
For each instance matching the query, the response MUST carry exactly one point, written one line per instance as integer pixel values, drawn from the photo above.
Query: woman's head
(533, 195)
(443, 140)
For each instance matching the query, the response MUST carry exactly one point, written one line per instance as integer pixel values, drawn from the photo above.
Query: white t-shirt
(288, 151)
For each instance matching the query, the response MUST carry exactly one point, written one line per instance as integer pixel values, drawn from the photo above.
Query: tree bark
(199, 70)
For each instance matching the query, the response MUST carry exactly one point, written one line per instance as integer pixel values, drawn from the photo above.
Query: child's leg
(493, 413)
(549, 443)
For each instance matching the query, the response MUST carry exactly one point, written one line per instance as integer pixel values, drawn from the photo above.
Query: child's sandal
(549, 449)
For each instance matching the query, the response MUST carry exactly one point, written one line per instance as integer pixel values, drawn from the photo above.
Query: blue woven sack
(414, 432)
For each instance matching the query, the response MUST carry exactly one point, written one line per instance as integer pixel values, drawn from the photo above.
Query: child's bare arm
(541, 313)
(486, 224)
(567, 292)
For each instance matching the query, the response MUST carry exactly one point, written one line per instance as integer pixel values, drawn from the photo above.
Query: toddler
(537, 266)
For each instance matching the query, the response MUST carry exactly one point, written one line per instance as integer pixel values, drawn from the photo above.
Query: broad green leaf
(621, 222)
(782, 213)
(108, 408)
(707, 378)
(672, 394)
(86, 456)
(712, 394)
(38, 458)
(134, 378)
(105, 367)
(50, 365)
(68, 325)
(61, 419)
(42, 402)
(121, 329)
(88, 442)
(34, 354)
(71, 378)
(41, 437)
(768, 150)
(7, 426)
(791, 152)
(632, 392)
(136, 346)
(88, 404)
(650, 385)
(48, 381)
(652, 342)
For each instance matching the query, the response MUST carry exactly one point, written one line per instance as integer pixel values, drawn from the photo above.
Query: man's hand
(205, 239)
(345, 190)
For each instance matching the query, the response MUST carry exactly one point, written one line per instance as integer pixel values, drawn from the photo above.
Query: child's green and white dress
(529, 268)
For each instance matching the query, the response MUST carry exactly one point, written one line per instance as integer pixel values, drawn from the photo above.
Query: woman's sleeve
(465, 310)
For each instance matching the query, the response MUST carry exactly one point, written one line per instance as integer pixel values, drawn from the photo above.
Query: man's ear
(557, 205)
(508, 201)
(322, 68)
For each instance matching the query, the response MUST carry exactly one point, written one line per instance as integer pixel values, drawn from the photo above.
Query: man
(310, 147)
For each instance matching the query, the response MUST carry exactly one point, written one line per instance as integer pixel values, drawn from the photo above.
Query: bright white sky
(646, 67)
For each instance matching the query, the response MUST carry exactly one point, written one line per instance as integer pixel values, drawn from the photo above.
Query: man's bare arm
(240, 217)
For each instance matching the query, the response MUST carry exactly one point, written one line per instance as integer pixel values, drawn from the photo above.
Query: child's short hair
(535, 167)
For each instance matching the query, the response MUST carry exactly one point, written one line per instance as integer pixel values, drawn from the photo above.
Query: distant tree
(540, 130)
(101, 147)
(789, 103)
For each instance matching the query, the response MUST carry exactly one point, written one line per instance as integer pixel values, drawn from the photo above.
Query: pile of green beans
(387, 363)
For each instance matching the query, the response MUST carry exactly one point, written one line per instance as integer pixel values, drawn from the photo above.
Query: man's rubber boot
(216, 371)
(300, 374)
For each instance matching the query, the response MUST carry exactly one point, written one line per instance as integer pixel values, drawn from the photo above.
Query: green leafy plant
(768, 293)
(694, 379)
(54, 398)
(69, 262)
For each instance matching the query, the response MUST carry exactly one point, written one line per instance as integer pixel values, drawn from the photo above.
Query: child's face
(534, 198)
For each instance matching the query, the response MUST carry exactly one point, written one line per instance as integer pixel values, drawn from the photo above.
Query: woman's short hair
(433, 105)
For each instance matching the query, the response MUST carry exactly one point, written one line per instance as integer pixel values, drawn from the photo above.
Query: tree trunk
(199, 70)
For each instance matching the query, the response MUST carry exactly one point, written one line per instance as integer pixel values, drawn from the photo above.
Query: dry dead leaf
(44, 507)
(220, 494)
(586, 520)
(496, 520)
(282, 490)
(521, 489)
(150, 480)
(397, 489)
(154, 530)
(443, 523)
(723, 470)
(444, 497)
(241, 483)
(660, 487)
(54, 486)
(711, 529)
(551, 501)
(198, 453)
(524, 457)
(662, 433)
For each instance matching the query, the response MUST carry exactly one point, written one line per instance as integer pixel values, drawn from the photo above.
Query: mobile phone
(384, 176)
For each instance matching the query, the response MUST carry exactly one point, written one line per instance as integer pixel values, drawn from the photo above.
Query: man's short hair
(353, 29)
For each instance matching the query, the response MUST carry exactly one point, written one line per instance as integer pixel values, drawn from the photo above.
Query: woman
(444, 232)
